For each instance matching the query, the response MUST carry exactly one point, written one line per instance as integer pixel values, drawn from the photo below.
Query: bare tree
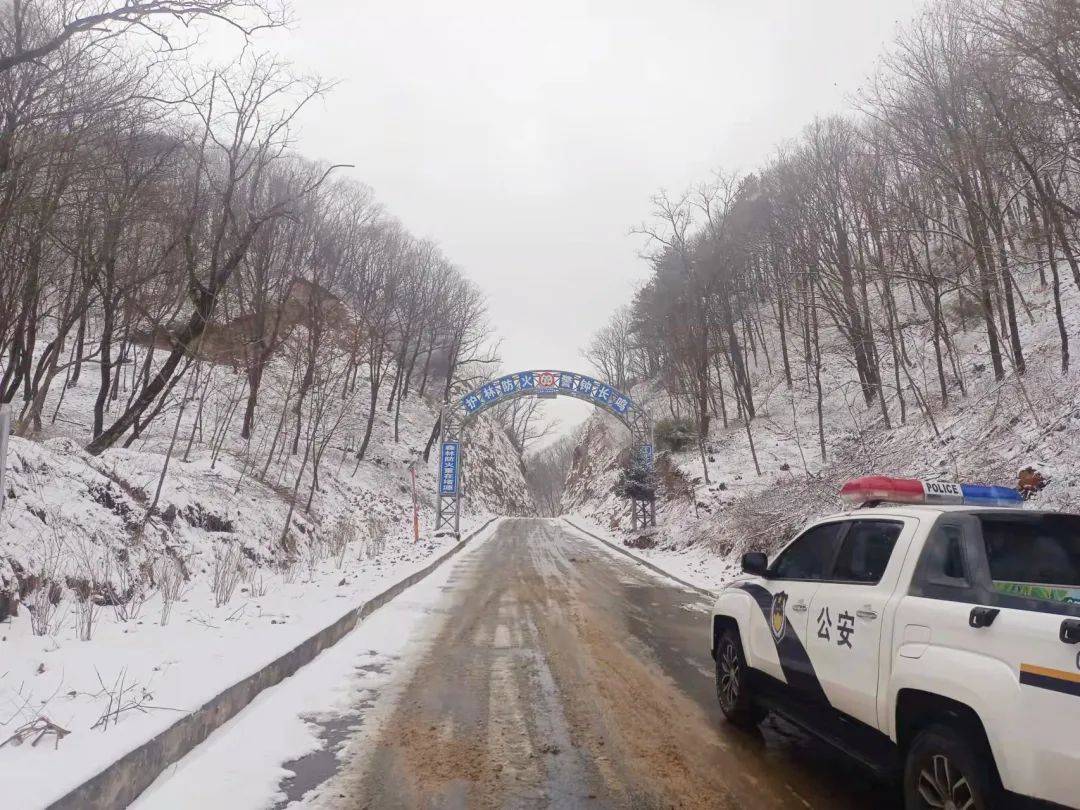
(611, 350)
(226, 200)
(523, 421)
(33, 29)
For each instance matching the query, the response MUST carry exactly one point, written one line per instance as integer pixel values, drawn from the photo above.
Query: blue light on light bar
(980, 495)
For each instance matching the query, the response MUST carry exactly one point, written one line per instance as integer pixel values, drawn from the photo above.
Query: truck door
(1034, 567)
(1004, 587)
(778, 637)
(850, 610)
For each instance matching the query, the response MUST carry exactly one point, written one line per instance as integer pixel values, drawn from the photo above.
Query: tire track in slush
(563, 676)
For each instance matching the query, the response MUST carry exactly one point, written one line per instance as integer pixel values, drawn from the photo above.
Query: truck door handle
(866, 613)
(982, 617)
(1070, 631)
(799, 607)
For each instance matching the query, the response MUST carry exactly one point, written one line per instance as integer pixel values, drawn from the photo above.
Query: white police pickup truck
(938, 639)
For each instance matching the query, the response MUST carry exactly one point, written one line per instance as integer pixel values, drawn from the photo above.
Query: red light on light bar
(872, 488)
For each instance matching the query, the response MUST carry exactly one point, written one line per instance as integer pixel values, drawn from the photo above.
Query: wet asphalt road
(565, 676)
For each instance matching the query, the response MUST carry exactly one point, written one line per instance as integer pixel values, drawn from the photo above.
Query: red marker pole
(415, 508)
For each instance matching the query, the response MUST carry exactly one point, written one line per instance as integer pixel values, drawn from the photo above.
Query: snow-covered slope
(59, 494)
(153, 610)
(494, 474)
(601, 450)
(989, 435)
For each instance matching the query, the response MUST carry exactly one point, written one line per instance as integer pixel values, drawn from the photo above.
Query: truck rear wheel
(732, 686)
(946, 771)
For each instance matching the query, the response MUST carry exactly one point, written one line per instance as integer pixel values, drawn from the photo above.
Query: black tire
(944, 765)
(732, 684)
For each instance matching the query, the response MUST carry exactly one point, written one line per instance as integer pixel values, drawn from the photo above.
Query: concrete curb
(121, 782)
(654, 568)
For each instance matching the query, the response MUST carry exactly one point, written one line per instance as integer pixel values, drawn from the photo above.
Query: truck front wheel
(944, 770)
(732, 686)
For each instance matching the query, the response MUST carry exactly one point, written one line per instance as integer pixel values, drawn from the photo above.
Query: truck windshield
(1037, 555)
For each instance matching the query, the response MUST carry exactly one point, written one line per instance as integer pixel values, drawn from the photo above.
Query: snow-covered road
(538, 669)
(286, 741)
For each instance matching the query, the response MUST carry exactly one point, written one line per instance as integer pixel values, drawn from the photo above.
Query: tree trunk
(104, 363)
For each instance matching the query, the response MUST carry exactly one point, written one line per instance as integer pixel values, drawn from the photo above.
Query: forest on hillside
(939, 206)
(156, 223)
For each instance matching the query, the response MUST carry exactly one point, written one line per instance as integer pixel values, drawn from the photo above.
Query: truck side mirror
(756, 563)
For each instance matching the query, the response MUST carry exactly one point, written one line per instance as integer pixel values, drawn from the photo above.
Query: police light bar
(877, 488)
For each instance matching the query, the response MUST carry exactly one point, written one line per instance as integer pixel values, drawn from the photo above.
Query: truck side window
(943, 560)
(810, 556)
(952, 554)
(1035, 556)
(865, 551)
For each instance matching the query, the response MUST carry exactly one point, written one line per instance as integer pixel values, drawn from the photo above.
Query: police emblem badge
(778, 615)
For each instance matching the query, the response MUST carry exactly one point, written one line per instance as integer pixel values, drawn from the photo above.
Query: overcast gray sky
(527, 138)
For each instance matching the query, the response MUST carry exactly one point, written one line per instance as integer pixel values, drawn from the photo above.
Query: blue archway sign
(544, 383)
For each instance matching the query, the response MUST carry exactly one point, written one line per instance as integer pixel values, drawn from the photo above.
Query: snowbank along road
(565, 676)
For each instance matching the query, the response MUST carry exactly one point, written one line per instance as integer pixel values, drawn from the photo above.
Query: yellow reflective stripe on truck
(1056, 680)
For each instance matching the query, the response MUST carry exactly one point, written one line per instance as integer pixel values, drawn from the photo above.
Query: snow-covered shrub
(375, 542)
(43, 593)
(342, 533)
(314, 554)
(9, 589)
(127, 589)
(675, 435)
(169, 574)
(123, 696)
(228, 571)
(258, 585)
(88, 580)
(635, 480)
(86, 611)
(671, 481)
(44, 603)
(289, 571)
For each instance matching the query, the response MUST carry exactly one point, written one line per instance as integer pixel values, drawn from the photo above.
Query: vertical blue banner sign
(448, 468)
(645, 454)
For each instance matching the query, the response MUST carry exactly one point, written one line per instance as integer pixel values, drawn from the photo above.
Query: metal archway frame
(546, 384)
